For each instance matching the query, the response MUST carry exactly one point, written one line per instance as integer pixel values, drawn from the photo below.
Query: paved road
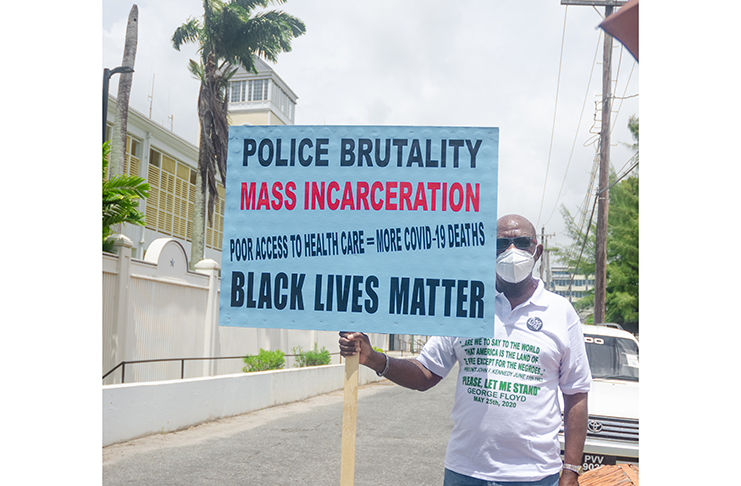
(401, 440)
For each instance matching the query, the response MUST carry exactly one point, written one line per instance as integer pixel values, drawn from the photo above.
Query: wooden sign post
(349, 421)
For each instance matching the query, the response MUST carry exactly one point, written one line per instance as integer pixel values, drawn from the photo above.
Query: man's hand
(576, 416)
(352, 343)
(408, 373)
(568, 478)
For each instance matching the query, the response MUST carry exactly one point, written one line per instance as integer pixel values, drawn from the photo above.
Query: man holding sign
(506, 414)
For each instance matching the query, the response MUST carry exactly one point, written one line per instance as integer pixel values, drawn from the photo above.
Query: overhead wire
(555, 109)
(581, 252)
(618, 179)
(617, 112)
(631, 159)
(622, 98)
(578, 126)
(591, 216)
(583, 208)
(576, 137)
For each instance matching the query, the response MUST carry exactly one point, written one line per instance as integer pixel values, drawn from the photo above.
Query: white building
(260, 99)
(169, 162)
(562, 283)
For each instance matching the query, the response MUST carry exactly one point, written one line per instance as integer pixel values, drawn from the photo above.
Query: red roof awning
(623, 25)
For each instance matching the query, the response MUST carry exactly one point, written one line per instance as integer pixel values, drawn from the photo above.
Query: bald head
(513, 225)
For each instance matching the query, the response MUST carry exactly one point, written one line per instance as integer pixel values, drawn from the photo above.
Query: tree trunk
(120, 122)
(197, 245)
(208, 150)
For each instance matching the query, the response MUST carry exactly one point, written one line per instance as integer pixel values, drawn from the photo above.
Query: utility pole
(545, 259)
(600, 258)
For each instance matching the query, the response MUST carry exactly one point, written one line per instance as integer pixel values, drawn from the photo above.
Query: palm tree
(118, 131)
(120, 194)
(229, 34)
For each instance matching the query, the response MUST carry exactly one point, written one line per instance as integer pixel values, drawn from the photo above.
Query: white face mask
(515, 265)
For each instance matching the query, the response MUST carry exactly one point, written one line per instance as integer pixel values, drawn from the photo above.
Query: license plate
(593, 461)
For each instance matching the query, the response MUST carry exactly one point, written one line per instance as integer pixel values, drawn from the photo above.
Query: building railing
(123, 364)
(412, 349)
(414, 346)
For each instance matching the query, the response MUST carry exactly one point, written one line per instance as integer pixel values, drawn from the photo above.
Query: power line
(553, 129)
(578, 126)
(584, 206)
(631, 159)
(619, 178)
(589, 225)
(586, 234)
(617, 112)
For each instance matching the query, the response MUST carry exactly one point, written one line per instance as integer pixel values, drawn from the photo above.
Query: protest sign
(374, 228)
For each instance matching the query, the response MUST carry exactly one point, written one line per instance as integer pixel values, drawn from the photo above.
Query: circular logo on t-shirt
(534, 324)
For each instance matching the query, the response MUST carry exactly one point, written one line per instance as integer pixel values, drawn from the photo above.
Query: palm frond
(120, 196)
(196, 69)
(229, 72)
(269, 34)
(190, 31)
(250, 5)
(126, 185)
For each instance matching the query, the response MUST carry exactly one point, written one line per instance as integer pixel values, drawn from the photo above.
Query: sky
(482, 64)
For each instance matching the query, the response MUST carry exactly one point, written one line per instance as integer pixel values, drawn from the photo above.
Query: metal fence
(122, 364)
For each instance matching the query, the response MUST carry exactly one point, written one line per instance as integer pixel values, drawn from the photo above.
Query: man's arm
(408, 373)
(575, 432)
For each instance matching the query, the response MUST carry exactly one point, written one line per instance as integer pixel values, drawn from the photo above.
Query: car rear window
(612, 357)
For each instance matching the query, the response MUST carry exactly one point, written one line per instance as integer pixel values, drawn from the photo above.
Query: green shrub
(266, 360)
(311, 358)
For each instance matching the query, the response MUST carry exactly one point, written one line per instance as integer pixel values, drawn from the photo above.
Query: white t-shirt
(506, 414)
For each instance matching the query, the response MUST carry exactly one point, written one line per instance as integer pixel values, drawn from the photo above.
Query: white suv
(612, 433)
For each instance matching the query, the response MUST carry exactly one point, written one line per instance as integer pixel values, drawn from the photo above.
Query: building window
(283, 102)
(215, 230)
(252, 90)
(258, 90)
(237, 91)
(132, 156)
(171, 196)
(171, 200)
(155, 158)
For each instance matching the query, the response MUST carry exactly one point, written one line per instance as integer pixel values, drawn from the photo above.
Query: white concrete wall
(139, 409)
(157, 309)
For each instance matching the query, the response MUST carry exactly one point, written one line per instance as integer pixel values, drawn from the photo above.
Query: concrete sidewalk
(401, 439)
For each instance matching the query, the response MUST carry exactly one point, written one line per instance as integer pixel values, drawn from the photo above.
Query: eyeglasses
(520, 242)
